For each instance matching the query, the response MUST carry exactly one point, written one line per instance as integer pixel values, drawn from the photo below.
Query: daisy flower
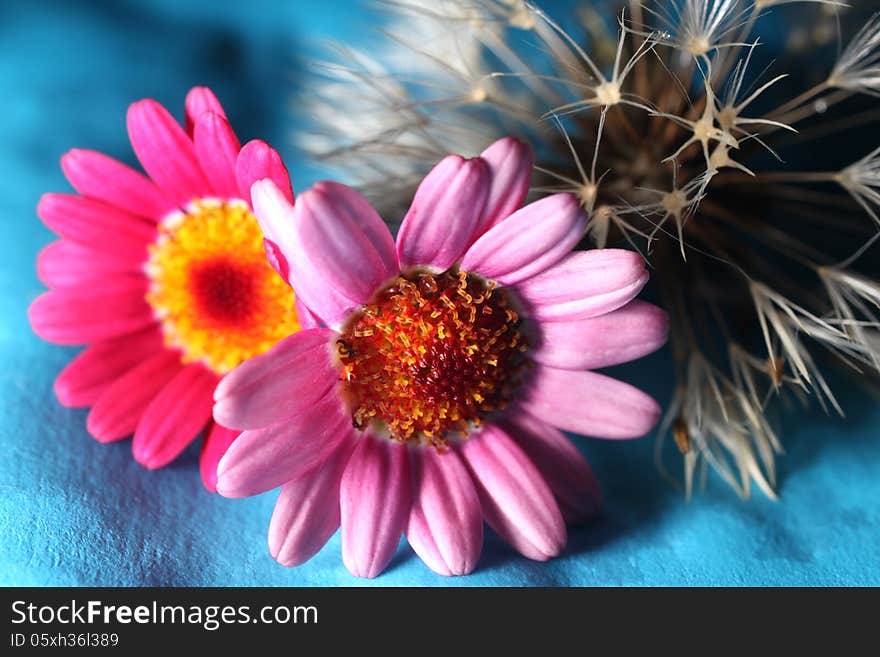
(163, 277)
(430, 386)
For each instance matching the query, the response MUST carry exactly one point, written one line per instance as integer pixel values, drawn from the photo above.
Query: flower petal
(284, 381)
(516, 501)
(444, 213)
(307, 319)
(198, 101)
(563, 467)
(620, 336)
(92, 312)
(214, 446)
(510, 165)
(97, 225)
(375, 496)
(590, 404)
(217, 148)
(261, 459)
(118, 410)
(95, 369)
(585, 284)
(445, 526)
(259, 161)
(65, 264)
(529, 241)
(166, 152)
(277, 221)
(102, 178)
(307, 511)
(175, 417)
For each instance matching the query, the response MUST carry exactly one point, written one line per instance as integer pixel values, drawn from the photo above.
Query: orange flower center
(430, 355)
(218, 300)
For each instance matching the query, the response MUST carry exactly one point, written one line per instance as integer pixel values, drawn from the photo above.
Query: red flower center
(430, 355)
(224, 290)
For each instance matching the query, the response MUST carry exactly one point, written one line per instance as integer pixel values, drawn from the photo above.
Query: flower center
(430, 355)
(217, 298)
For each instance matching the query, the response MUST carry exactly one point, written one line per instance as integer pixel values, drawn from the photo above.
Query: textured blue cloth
(74, 512)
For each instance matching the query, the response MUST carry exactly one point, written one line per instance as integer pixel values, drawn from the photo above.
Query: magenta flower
(165, 278)
(478, 323)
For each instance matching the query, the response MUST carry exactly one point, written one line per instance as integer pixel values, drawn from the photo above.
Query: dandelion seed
(858, 67)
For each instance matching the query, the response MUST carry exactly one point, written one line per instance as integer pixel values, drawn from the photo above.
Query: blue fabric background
(73, 512)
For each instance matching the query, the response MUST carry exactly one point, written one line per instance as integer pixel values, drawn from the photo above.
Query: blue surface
(73, 512)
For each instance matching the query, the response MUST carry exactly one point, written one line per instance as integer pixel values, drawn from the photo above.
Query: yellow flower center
(218, 300)
(430, 355)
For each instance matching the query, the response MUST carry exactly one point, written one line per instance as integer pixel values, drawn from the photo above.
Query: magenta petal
(118, 410)
(97, 225)
(307, 319)
(529, 241)
(261, 459)
(445, 526)
(214, 446)
(259, 161)
(217, 148)
(510, 165)
(516, 501)
(198, 101)
(277, 260)
(175, 417)
(585, 284)
(375, 503)
(307, 511)
(166, 152)
(92, 312)
(102, 178)
(65, 264)
(620, 336)
(590, 404)
(563, 467)
(284, 381)
(278, 222)
(444, 213)
(93, 370)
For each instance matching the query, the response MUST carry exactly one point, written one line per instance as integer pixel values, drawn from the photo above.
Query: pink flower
(165, 278)
(479, 322)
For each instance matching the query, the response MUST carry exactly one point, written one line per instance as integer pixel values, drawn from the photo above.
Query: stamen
(218, 300)
(432, 355)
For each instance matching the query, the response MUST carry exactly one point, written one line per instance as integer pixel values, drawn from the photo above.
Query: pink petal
(92, 312)
(620, 336)
(261, 459)
(445, 526)
(510, 165)
(307, 511)
(590, 404)
(516, 501)
(217, 148)
(97, 225)
(198, 101)
(307, 319)
(585, 284)
(214, 446)
(563, 467)
(175, 417)
(284, 381)
(276, 217)
(375, 496)
(166, 152)
(64, 264)
(529, 241)
(95, 369)
(444, 213)
(259, 161)
(102, 178)
(118, 410)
